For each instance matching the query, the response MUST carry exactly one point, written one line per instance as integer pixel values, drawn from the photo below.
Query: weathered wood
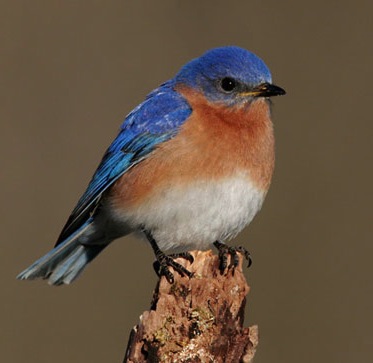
(196, 320)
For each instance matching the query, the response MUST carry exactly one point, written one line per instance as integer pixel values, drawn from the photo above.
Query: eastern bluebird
(190, 168)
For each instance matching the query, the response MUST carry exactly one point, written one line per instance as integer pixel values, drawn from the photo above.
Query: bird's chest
(212, 145)
(207, 183)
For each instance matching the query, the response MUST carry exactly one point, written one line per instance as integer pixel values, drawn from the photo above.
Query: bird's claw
(225, 250)
(163, 262)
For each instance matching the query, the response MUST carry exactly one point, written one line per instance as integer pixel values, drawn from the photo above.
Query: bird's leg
(225, 250)
(163, 262)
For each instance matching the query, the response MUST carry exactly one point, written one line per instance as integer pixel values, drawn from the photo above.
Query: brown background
(71, 70)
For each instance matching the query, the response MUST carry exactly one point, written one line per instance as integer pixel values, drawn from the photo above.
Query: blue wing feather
(154, 121)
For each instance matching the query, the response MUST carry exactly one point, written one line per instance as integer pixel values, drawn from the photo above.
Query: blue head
(230, 75)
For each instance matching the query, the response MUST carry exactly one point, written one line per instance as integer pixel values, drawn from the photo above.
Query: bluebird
(189, 169)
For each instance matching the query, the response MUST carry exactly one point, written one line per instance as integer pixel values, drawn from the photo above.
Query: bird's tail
(66, 261)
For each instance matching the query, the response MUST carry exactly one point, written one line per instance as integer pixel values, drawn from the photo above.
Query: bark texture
(196, 320)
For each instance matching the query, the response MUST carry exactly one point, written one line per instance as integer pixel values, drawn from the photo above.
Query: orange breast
(216, 142)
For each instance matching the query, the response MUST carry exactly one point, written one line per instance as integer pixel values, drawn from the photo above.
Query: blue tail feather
(65, 262)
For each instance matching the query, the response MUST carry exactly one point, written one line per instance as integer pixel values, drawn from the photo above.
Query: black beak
(265, 90)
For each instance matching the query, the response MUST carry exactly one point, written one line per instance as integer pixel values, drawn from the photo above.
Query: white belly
(194, 216)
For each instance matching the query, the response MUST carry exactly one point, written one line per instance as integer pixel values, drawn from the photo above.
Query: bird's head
(230, 75)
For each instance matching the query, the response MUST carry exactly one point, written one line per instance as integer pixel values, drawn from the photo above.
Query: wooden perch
(196, 320)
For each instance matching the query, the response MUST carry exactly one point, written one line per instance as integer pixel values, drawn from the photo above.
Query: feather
(154, 121)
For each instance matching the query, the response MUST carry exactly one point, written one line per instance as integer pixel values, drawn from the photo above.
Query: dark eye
(228, 84)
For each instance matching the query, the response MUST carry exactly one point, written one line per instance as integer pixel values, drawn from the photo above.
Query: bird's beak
(264, 90)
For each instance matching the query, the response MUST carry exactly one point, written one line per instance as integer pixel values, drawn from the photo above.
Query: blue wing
(154, 121)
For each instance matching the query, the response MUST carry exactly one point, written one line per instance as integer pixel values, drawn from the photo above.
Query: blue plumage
(203, 73)
(154, 121)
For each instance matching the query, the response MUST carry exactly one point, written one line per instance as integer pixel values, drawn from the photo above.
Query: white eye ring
(228, 84)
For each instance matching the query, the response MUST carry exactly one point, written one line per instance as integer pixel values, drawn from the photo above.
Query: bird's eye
(228, 84)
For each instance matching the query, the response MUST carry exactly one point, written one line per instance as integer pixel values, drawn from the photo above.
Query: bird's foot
(163, 262)
(225, 250)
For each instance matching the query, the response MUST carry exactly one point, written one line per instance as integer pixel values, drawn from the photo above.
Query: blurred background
(70, 72)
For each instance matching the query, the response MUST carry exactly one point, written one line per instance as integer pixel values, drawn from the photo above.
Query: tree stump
(196, 320)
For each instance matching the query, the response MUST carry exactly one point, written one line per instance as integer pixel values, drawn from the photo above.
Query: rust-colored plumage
(215, 143)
